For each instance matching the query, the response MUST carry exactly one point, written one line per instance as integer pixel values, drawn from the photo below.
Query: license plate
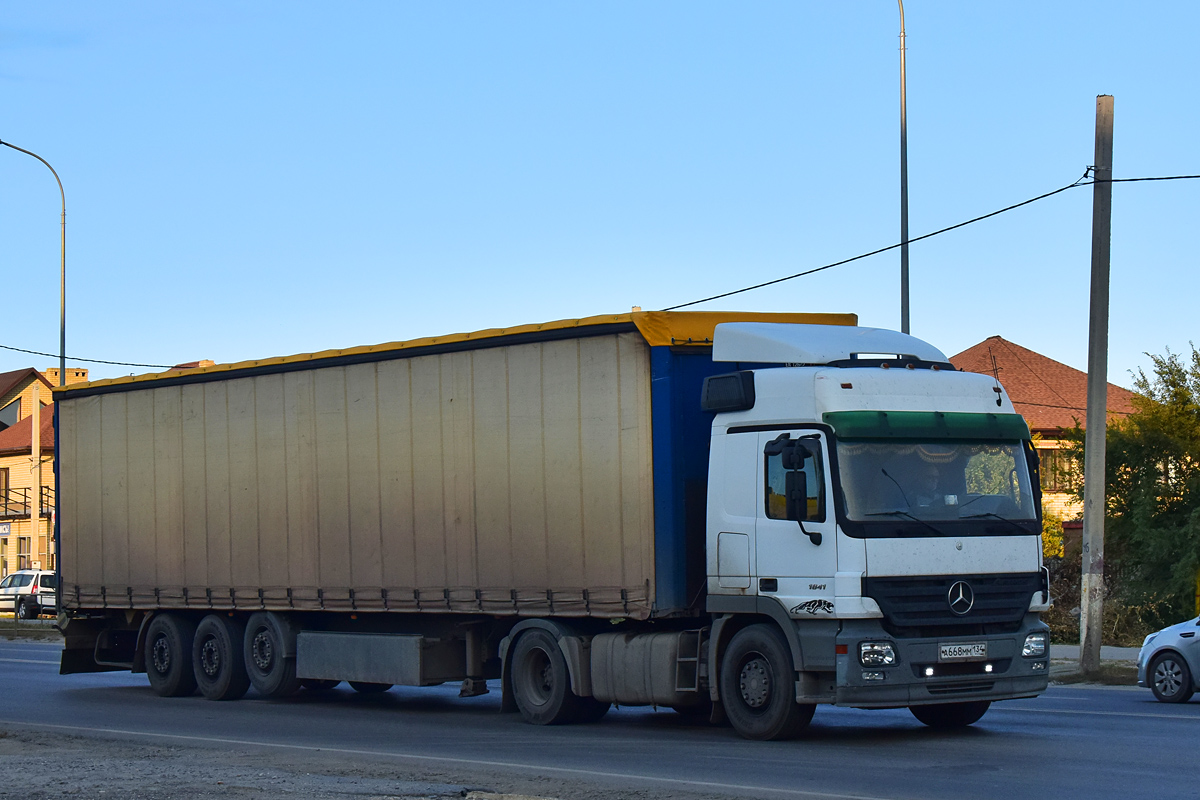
(971, 651)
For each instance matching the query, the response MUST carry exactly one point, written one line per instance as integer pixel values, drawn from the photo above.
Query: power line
(89, 360)
(1081, 182)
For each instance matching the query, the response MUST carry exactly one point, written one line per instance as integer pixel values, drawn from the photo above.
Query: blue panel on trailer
(681, 441)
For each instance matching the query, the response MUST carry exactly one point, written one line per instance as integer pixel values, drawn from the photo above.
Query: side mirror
(797, 502)
(794, 454)
(797, 495)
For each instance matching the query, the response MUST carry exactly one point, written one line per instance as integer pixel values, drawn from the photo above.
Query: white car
(29, 592)
(1169, 662)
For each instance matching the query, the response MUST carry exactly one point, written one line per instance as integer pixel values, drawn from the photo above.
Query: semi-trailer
(738, 515)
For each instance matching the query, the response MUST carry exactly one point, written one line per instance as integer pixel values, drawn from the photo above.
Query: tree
(1152, 528)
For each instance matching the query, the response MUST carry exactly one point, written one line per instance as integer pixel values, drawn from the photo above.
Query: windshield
(942, 480)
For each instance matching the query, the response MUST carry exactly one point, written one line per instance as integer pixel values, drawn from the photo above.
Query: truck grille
(920, 605)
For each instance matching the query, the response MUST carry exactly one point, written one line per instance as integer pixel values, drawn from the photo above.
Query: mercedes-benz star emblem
(961, 598)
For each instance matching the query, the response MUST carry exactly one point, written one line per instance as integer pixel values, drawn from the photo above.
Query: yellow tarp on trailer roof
(659, 328)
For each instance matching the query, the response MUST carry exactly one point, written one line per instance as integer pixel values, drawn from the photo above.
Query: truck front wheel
(541, 683)
(951, 715)
(169, 641)
(758, 685)
(218, 660)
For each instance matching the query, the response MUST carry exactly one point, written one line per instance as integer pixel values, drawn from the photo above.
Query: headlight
(876, 654)
(1035, 645)
(1149, 639)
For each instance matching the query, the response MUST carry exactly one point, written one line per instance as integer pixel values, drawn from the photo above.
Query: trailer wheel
(541, 683)
(951, 715)
(218, 659)
(272, 674)
(169, 655)
(758, 685)
(362, 687)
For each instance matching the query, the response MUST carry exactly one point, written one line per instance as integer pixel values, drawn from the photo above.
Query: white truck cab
(884, 509)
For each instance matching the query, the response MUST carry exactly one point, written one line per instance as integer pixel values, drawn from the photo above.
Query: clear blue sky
(252, 180)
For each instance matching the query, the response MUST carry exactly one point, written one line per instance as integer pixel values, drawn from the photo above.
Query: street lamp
(903, 188)
(62, 278)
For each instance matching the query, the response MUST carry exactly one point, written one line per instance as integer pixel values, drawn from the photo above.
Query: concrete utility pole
(1091, 604)
(903, 186)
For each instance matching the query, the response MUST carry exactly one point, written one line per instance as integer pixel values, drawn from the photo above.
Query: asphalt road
(1073, 742)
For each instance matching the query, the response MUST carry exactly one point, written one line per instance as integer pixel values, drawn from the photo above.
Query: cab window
(812, 507)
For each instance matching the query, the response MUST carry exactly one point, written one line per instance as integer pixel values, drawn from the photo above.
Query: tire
(272, 673)
(218, 659)
(318, 684)
(951, 715)
(27, 610)
(362, 687)
(169, 641)
(541, 683)
(1170, 679)
(758, 683)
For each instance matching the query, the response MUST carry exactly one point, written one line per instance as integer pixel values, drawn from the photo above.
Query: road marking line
(27, 661)
(1102, 713)
(474, 762)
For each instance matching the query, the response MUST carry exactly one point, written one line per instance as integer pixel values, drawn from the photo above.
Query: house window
(1058, 474)
(10, 414)
(23, 543)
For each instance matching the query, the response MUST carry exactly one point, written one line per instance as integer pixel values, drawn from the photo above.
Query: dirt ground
(37, 765)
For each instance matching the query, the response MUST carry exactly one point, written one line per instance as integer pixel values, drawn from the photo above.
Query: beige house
(26, 504)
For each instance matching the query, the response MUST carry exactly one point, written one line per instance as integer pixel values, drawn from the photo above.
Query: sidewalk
(1118, 665)
(1070, 652)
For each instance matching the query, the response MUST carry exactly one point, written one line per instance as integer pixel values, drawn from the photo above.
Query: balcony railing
(15, 503)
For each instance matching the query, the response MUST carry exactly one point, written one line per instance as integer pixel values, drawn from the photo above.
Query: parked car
(1169, 662)
(29, 592)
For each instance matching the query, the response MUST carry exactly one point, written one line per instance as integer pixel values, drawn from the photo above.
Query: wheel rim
(160, 655)
(263, 651)
(210, 657)
(754, 681)
(1168, 678)
(539, 677)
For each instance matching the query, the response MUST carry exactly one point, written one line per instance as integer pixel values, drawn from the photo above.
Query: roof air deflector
(783, 343)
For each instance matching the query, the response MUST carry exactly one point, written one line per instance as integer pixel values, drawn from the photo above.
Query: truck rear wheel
(218, 659)
(758, 685)
(272, 674)
(541, 683)
(169, 641)
(951, 715)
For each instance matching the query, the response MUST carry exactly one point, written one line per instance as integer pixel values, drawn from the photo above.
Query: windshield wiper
(994, 516)
(906, 515)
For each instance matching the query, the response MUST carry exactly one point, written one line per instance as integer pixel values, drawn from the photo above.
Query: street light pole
(62, 275)
(903, 186)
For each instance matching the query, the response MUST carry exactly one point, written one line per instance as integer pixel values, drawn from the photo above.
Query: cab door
(795, 528)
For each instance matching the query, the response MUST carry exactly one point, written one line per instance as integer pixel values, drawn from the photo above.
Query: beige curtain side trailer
(388, 514)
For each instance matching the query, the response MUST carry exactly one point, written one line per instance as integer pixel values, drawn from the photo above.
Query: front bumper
(906, 683)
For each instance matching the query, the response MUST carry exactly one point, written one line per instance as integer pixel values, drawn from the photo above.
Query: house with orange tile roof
(26, 529)
(1052, 397)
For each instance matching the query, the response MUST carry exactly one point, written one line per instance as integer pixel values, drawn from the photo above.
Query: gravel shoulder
(39, 764)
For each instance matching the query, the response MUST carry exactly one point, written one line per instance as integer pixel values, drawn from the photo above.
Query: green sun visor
(925, 425)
